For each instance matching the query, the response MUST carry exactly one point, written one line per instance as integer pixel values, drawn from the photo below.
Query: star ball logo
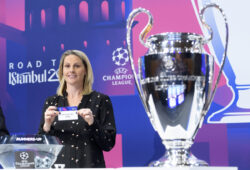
(24, 155)
(121, 76)
(24, 159)
(120, 57)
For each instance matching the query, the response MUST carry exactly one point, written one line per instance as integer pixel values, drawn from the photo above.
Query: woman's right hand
(49, 116)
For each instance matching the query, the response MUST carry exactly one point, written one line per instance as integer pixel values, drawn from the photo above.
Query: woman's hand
(87, 115)
(49, 116)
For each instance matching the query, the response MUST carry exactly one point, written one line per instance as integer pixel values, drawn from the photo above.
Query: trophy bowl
(175, 84)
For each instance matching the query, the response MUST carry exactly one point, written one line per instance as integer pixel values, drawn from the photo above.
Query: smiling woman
(74, 71)
(87, 130)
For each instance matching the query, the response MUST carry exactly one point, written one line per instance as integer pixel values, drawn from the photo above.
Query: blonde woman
(92, 129)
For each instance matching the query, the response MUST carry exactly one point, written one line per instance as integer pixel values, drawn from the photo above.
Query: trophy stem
(178, 154)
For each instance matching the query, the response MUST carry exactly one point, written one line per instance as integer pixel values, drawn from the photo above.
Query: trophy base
(169, 160)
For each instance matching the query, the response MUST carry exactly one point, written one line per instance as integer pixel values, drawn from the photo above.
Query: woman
(94, 131)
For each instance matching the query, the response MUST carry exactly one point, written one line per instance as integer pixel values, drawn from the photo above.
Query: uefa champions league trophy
(175, 85)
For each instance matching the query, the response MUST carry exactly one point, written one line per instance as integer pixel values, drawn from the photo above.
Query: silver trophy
(175, 84)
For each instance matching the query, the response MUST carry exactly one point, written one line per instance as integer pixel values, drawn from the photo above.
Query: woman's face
(73, 70)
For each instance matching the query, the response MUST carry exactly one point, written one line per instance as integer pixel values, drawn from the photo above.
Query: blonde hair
(89, 77)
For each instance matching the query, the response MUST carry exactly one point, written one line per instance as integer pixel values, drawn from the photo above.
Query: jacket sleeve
(103, 129)
(3, 129)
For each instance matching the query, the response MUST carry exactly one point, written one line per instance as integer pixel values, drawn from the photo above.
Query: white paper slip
(68, 115)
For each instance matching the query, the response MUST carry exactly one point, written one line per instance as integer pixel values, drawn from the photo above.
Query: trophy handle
(207, 104)
(142, 38)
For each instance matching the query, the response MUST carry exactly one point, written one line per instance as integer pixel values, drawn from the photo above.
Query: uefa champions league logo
(121, 75)
(24, 155)
(24, 159)
(120, 57)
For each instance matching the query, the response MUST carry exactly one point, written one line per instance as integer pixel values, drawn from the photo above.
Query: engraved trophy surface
(175, 86)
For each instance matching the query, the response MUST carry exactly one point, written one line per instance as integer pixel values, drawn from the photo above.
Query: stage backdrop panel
(34, 34)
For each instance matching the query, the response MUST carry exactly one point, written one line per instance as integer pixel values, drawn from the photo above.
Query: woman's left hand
(87, 115)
